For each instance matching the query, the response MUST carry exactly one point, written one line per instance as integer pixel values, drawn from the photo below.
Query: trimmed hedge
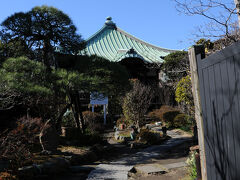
(168, 118)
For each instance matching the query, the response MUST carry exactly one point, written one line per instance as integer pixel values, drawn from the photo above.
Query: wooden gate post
(193, 52)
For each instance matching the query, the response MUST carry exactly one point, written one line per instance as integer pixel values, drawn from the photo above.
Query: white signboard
(98, 99)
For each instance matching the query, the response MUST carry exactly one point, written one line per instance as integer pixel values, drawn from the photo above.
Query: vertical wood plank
(195, 88)
(233, 115)
(237, 121)
(219, 121)
(208, 124)
(214, 123)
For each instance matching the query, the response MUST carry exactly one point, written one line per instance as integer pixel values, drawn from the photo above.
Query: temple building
(142, 60)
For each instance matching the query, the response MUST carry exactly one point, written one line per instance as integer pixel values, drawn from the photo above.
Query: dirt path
(176, 157)
(118, 169)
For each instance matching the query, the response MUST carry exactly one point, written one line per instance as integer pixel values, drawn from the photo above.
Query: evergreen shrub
(168, 118)
(93, 122)
(148, 137)
(184, 122)
(157, 114)
(68, 120)
(122, 120)
(180, 120)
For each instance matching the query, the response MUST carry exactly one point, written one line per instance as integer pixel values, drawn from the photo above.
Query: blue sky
(154, 21)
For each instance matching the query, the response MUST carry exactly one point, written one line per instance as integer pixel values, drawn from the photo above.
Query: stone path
(118, 169)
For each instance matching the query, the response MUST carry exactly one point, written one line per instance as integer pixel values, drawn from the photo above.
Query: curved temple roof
(114, 44)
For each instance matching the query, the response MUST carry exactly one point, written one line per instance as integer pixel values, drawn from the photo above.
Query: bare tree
(221, 17)
(136, 103)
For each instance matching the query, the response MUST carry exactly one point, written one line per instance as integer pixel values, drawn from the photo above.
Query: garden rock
(116, 135)
(29, 171)
(55, 166)
(51, 167)
(49, 139)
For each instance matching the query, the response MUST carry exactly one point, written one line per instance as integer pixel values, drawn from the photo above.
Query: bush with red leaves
(18, 144)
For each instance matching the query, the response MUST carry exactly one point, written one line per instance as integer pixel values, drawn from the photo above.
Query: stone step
(151, 169)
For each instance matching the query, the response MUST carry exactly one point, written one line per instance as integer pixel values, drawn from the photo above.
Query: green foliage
(26, 76)
(176, 65)
(207, 44)
(14, 48)
(68, 119)
(158, 113)
(93, 122)
(68, 81)
(27, 84)
(122, 120)
(136, 103)
(43, 28)
(184, 91)
(172, 59)
(148, 137)
(171, 117)
(110, 77)
(192, 168)
(114, 106)
(168, 118)
(184, 122)
(184, 95)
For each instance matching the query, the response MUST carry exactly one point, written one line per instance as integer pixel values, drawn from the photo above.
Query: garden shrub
(93, 122)
(68, 120)
(180, 120)
(7, 176)
(19, 144)
(122, 120)
(136, 103)
(168, 118)
(184, 122)
(147, 136)
(192, 168)
(157, 114)
(184, 95)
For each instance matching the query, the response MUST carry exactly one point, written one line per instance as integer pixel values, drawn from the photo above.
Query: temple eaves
(114, 44)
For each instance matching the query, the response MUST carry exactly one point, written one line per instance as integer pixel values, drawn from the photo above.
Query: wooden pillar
(193, 53)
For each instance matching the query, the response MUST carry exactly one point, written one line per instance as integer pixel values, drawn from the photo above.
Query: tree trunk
(77, 110)
(80, 113)
(41, 134)
(72, 98)
(59, 119)
(46, 49)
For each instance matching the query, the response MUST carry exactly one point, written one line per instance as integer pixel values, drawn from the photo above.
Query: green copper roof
(114, 44)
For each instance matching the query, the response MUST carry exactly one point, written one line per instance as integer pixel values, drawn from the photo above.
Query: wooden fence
(219, 112)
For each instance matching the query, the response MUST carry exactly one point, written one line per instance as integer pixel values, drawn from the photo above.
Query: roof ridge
(96, 33)
(128, 35)
(142, 41)
(116, 39)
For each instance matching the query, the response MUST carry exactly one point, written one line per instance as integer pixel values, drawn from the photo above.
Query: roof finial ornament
(109, 18)
(109, 22)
